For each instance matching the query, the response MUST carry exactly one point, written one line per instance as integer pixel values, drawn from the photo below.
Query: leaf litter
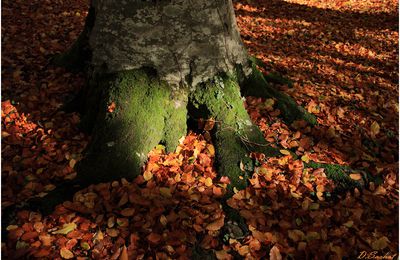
(345, 75)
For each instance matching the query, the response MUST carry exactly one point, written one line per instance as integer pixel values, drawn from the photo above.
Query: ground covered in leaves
(336, 58)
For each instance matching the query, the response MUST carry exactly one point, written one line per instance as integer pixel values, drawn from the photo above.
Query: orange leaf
(275, 254)
(124, 254)
(111, 107)
(355, 176)
(217, 191)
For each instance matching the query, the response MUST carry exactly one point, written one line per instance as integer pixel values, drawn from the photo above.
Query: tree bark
(149, 62)
(186, 42)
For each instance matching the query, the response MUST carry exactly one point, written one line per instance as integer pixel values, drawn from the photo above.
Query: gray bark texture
(186, 41)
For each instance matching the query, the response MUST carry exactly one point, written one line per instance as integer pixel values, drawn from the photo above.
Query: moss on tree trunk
(134, 112)
(256, 85)
(131, 112)
(235, 135)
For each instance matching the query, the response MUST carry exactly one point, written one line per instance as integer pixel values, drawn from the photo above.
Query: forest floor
(342, 61)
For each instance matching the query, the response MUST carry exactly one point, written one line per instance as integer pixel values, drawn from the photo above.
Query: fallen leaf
(124, 254)
(375, 128)
(65, 229)
(208, 182)
(380, 244)
(216, 225)
(66, 254)
(275, 254)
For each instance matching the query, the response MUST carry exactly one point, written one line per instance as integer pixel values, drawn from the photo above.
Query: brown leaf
(127, 212)
(216, 225)
(154, 238)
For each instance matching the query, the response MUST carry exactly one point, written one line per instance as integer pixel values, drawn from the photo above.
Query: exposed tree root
(256, 85)
(234, 135)
(341, 176)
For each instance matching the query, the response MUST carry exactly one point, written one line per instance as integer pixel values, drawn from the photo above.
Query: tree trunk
(151, 61)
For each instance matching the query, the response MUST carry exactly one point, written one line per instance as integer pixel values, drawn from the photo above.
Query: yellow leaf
(380, 191)
(349, 223)
(290, 32)
(243, 250)
(66, 254)
(72, 163)
(320, 195)
(163, 220)
(295, 195)
(285, 152)
(208, 182)
(21, 244)
(283, 160)
(269, 103)
(165, 192)
(312, 235)
(4, 134)
(98, 236)
(296, 235)
(375, 128)
(314, 206)
(66, 229)
(11, 227)
(380, 244)
(85, 245)
(159, 149)
(211, 150)
(305, 204)
(147, 175)
(305, 159)
(222, 255)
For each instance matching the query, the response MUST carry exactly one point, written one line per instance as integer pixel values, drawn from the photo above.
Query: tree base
(235, 136)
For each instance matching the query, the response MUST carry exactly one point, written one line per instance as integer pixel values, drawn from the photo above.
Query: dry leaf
(66, 254)
(65, 229)
(124, 254)
(274, 253)
(216, 225)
